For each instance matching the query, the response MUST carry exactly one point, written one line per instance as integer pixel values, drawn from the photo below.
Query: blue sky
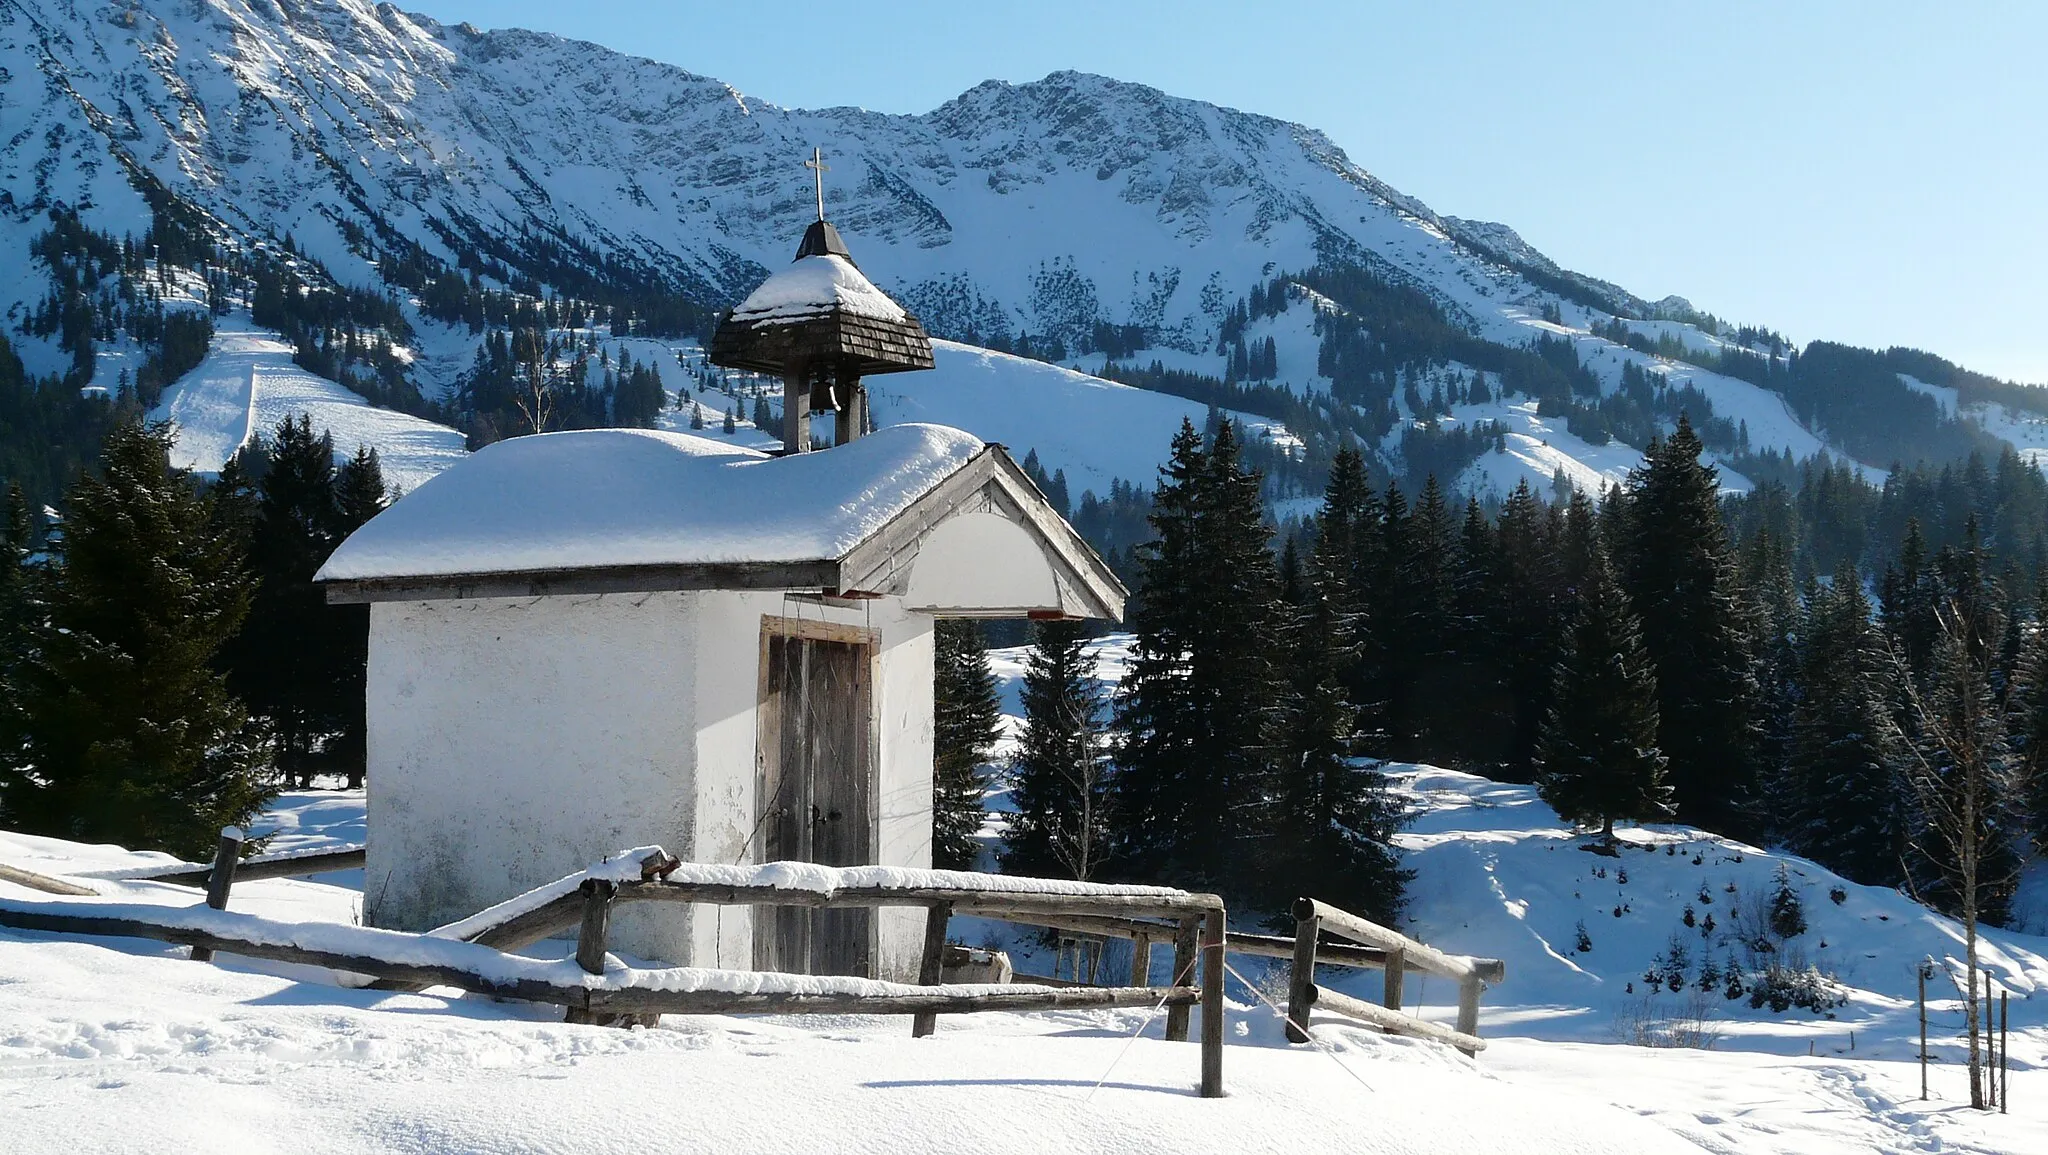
(1868, 172)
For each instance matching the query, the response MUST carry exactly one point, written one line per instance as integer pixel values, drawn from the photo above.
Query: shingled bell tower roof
(821, 326)
(820, 311)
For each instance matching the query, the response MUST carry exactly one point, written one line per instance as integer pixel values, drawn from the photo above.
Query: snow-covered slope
(1095, 430)
(248, 384)
(1048, 210)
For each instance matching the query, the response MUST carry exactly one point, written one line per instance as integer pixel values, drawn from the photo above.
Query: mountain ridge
(1078, 218)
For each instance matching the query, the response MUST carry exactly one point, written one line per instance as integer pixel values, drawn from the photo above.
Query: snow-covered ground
(110, 1044)
(248, 383)
(107, 1043)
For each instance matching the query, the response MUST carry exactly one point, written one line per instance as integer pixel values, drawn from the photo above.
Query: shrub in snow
(1782, 986)
(1664, 1021)
(1788, 913)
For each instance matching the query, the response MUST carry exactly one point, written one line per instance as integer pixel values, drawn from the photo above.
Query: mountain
(441, 172)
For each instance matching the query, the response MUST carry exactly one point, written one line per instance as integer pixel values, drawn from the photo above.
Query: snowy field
(112, 1044)
(248, 384)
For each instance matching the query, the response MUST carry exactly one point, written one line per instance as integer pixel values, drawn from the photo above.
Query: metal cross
(817, 165)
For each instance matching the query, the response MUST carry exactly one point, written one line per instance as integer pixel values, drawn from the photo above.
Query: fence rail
(1398, 954)
(1194, 922)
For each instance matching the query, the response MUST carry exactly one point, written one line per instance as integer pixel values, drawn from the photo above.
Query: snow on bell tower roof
(815, 286)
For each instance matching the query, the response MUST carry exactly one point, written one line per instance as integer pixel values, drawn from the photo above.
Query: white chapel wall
(513, 741)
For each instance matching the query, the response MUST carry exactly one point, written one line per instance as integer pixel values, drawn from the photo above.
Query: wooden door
(817, 793)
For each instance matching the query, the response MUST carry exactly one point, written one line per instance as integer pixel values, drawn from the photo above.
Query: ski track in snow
(248, 383)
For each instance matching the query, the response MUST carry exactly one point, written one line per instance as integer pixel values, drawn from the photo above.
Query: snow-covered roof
(813, 286)
(626, 510)
(608, 498)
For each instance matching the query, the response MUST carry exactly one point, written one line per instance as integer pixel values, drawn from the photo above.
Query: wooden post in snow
(2004, 1055)
(1183, 975)
(1301, 979)
(932, 967)
(1922, 972)
(225, 856)
(1141, 960)
(1991, 1066)
(1212, 1004)
(590, 939)
(1396, 979)
(597, 924)
(1469, 988)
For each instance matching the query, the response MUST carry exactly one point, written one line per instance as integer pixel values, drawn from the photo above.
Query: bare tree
(1961, 771)
(537, 403)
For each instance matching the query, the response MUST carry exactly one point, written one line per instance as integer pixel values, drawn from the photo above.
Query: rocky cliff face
(356, 128)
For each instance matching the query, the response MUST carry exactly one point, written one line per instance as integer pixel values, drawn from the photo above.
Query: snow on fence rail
(1399, 954)
(1385, 950)
(595, 988)
(284, 864)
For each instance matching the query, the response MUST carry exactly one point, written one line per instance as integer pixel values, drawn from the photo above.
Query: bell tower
(821, 326)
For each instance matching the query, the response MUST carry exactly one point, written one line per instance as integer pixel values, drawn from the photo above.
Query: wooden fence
(1197, 927)
(1194, 925)
(1396, 955)
(1371, 947)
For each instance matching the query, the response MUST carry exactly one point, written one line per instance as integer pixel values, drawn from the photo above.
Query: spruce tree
(1597, 760)
(1845, 804)
(359, 495)
(1772, 608)
(1477, 718)
(1681, 581)
(966, 723)
(1348, 532)
(1430, 635)
(131, 732)
(286, 662)
(1528, 617)
(1390, 643)
(1059, 776)
(1198, 705)
(16, 532)
(359, 490)
(1335, 819)
(2027, 705)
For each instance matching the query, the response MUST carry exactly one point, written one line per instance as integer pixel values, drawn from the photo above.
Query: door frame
(768, 737)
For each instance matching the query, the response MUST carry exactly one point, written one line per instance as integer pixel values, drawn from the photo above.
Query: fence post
(1141, 960)
(590, 939)
(1988, 1077)
(1183, 975)
(1922, 972)
(932, 967)
(1301, 980)
(2004, 1055)
(1212, 1004)
(225, 857)
(1395, 979)
(1468, 1006)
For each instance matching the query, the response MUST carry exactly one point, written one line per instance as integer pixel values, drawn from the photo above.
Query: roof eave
(819, 575)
